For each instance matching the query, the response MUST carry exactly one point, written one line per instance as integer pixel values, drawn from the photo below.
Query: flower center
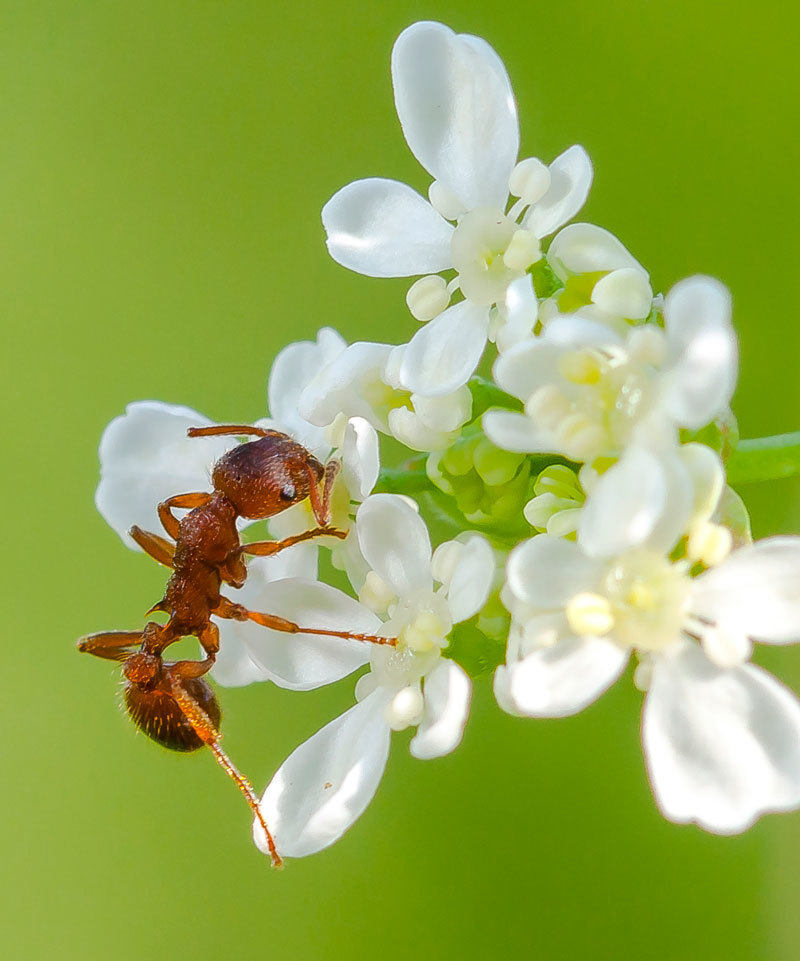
(489, 250)
(643, 602)
(648, 597)
(603, 392)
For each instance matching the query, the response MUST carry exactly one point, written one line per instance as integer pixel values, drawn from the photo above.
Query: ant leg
(237, 612)
(157, 547)
(111, 645)
(238, 429)
(169, 520)
(205, 730)
(268, 548)
(321, 506)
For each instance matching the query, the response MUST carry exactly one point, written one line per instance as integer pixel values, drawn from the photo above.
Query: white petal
(325, 785)
(755, 589)
(234, 667)
(546, 572)
(294, 368)
(560, 680)
(703, 350)
(146, 457)
(457, 110)
(395, 543)
(445, 413)
(707, 476)
(526, 366)
(407, 427)
(443, 355)
(625, 292)
(643, 500)
(516, 432)
(383, 228)
(360, 457)
(302, 662)
(521, 309)
(447, 695)
(722, 746)
(586, 248)
(340, 387)
(571, 177)
(471, 580)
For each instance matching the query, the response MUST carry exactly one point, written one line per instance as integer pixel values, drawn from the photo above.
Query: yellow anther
(590, 614)
(581, 366)
(709, 543)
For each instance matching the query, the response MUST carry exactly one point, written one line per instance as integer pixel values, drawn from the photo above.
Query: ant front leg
(321, 506)
(238, 612)
(268, 548)
(207, 732)
(111, 645)
(169, 521)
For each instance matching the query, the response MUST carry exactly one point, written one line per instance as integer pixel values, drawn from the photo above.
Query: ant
(171, 701)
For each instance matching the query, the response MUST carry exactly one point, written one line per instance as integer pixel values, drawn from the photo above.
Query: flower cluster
(578, 496)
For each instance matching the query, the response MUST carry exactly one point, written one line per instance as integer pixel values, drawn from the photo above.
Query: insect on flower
(170, 700)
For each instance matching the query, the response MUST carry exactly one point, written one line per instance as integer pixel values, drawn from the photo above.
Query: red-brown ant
(170, 700)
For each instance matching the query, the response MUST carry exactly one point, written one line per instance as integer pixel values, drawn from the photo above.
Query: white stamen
(376, 593)
(726, 647)
(547, 406)
(335, 431)
(709, 543)
(523, 251)
(427, 297)
(643, 674)
(445, 202)
(647, 345)
(530, 180)
(405, 708)
(444, 560)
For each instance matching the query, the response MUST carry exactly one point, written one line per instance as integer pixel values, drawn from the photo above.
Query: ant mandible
(170, 700)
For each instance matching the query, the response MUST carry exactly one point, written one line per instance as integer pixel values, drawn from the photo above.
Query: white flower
(458, 115)
(363, 380)
(602, 280)
(586, 388)
(721, 737)
(327, 782)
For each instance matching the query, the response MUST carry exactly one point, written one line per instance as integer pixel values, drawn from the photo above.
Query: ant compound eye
(289, 492)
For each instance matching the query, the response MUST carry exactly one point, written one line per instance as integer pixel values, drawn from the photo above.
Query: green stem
(486, 394)
(411, 478)
(765, 459)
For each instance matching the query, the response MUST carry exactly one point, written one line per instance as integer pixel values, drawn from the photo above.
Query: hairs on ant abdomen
(171, 701)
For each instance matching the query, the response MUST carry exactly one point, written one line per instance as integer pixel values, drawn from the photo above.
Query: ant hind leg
(111, 645)
(207, 732)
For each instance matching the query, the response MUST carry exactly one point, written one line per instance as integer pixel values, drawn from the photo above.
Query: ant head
(264, 477)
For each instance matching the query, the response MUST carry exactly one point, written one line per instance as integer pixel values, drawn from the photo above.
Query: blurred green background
(162, 169)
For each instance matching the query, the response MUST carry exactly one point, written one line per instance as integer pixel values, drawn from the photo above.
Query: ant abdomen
(157, 714)
(264, 477)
